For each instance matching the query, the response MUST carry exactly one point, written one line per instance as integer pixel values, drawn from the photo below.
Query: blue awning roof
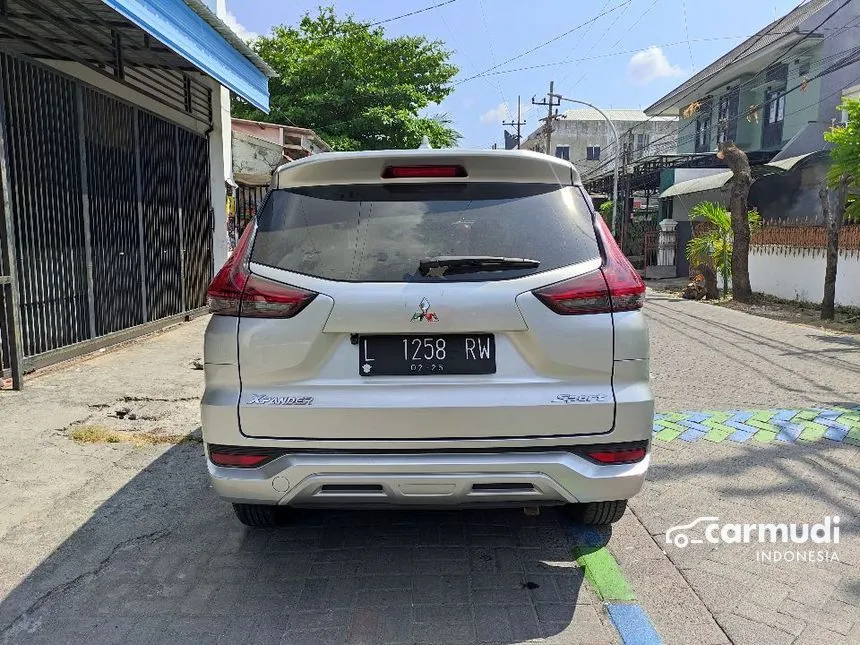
(191, 32)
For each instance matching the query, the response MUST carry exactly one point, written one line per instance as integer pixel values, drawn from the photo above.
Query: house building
(584, 137)
(258, 149)
(114, 161)
(774, 95)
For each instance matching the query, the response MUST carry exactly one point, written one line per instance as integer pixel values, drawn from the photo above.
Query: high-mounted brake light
(417, 172)
(236, 292)
(614, 287)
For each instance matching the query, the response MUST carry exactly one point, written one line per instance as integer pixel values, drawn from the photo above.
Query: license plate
(427, 355)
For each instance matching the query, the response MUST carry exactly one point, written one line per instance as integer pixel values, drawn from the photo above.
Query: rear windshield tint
(380, 233)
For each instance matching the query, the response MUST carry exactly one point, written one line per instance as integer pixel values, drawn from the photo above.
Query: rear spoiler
(338, 168)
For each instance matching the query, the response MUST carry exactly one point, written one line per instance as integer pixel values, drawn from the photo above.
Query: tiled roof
(772, 33)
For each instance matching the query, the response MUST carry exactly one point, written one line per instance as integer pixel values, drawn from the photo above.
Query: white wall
(220, 168)
(801, 277)
(254, 160)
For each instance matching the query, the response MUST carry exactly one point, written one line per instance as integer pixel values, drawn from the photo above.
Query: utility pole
(628, 193)
(551, 103)
(518, 123)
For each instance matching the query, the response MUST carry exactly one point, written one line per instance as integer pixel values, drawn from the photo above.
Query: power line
(517, 124)
(411, 13)
(492, 51)
(848, 57)
(568, 61)
(548, 42)
(550, 117)
(781, 58)
(606, 33)
(832, 94)
(687, 33)
(470, 61)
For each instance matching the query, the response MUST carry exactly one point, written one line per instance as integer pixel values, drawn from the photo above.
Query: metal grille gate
(110, 209)
(248, 202)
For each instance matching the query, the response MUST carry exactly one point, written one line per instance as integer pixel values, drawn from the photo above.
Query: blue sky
(627, 58)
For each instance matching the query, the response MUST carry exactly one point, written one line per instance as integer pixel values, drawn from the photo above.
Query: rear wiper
(440, 265)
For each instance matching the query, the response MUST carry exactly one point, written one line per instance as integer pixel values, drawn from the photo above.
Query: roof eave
(230, 36)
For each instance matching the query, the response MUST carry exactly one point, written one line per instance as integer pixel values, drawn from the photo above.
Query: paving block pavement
(117, 544)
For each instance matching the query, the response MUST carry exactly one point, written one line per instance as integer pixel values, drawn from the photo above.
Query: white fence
(801, 276)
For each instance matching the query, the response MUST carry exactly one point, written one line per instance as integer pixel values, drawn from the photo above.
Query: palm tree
(713, 248)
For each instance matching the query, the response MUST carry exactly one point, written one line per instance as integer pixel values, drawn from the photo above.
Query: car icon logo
(676, 535)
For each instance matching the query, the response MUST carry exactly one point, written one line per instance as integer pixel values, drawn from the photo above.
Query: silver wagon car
(427, 328)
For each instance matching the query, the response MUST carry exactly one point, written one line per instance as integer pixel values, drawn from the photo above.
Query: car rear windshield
(381, 233)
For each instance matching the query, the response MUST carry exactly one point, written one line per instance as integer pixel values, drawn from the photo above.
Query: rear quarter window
(380, 233)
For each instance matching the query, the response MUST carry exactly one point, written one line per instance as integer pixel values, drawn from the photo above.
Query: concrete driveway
(112, 543)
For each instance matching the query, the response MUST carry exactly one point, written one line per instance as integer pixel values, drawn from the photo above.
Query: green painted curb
(603, 572)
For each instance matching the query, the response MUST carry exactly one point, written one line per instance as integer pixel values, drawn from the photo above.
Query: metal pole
(519, 123)
(617, 151)
(9, 283)
(549, 119)
(85, 203)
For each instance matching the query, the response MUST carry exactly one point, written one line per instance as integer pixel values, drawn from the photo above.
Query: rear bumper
(491, 479)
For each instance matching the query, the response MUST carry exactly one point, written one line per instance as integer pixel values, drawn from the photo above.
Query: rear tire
(260, 515)
(599, 513)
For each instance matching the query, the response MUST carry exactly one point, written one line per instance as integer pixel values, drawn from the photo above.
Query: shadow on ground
(163, 560)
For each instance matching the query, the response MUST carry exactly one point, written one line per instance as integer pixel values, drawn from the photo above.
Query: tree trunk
(708, 272)
(737, 161)
(833, 205)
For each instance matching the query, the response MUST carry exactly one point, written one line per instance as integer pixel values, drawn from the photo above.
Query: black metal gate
(110, 209)
(248, 201)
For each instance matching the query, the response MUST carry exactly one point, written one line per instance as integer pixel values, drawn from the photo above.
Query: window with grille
(727, 116)
(592, 153)
(563, 152)
(703, 130)
(774, 106)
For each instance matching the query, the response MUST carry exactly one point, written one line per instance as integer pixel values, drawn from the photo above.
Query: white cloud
(245, 34)
(650, 64)
(497, 114)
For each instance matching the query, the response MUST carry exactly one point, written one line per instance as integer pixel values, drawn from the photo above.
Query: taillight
(236, 292)
(241, 457)
(619, 456)
(267, 299)
(413, 172)
(614, 287)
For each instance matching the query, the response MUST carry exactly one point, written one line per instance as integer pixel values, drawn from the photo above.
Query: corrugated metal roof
(187, 28)
(202, 10)
(791, 162)
(712, 182)
(697, 185)
(775, 31)
(589, 114)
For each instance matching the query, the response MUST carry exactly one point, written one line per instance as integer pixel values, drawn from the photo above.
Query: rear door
(397, 348)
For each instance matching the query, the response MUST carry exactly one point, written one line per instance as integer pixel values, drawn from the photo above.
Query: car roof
(366, 167)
